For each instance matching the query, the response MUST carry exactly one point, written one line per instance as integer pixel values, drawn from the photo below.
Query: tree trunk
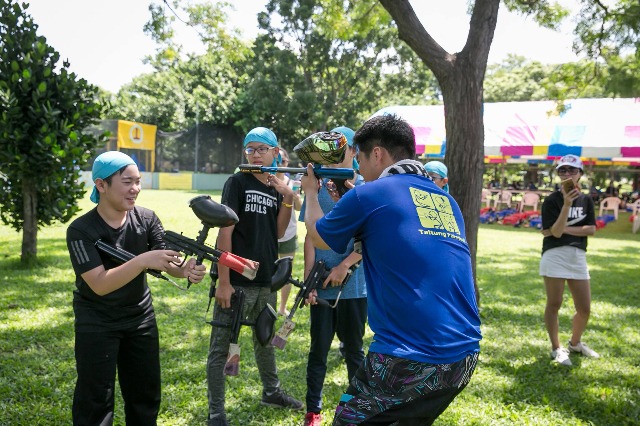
(461, 77)
(462, 93)
(30, 227)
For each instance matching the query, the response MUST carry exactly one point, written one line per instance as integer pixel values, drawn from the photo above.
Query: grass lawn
(515, 383)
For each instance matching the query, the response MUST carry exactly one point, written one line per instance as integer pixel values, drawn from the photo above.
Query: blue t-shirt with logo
(417, 266)
(355, 287)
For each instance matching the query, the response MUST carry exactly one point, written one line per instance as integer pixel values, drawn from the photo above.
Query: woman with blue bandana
(115, 324)
(264, 205)
(438, 172)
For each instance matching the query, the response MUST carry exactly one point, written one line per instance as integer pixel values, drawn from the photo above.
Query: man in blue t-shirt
(421, 301)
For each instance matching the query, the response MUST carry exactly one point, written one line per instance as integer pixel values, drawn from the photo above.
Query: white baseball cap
(570, 160)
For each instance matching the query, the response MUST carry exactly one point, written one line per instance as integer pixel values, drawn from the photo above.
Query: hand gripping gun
(121, 256)
(321, 149)
(212, 215)
(315, 279)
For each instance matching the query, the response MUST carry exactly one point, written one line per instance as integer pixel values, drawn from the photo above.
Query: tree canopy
(314, 65)
(45, 113)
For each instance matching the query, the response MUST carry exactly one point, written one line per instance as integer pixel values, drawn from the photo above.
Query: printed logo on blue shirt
(435, 214)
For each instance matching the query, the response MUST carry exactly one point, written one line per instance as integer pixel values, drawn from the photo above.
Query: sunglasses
(568, 171)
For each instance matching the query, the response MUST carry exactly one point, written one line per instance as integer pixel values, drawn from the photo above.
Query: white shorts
(565, 262)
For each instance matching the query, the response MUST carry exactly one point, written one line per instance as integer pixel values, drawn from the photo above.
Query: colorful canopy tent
(601, 131)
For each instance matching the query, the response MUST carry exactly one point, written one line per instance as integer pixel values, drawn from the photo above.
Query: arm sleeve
(549, 213)
(232, 195)
(82, 250)
(156, 231)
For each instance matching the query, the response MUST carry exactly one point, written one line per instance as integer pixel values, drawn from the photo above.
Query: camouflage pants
(256, 299)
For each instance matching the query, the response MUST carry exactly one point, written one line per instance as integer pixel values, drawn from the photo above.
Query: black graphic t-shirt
(255, 236)
(130, 305)
(581, 213)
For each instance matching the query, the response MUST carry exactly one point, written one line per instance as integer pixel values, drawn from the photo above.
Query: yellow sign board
(133, 135)
(174, 181)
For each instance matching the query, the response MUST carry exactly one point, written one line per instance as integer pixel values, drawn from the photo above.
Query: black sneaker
(280, 399)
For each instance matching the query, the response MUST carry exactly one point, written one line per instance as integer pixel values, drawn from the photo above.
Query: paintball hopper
(212, 214)
(284, 268)
(322, 148)
(264, 325)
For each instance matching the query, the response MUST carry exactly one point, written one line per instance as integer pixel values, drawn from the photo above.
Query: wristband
(287, 204)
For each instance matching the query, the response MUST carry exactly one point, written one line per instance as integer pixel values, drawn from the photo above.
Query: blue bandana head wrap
(440, 169)
(105, 165)
(348, 133)
(265, 136)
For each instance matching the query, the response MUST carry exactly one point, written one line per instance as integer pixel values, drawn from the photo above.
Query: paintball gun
(314, 280)
(321, 149)
(121, 256)
(263, 327)
(212, 215)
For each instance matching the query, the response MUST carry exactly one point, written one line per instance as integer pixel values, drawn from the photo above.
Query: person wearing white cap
(115, 324)
(568, 218)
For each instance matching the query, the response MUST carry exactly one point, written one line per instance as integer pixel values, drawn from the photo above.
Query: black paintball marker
(314, 280)
(321, 149)
(263, 328)
(212, 215)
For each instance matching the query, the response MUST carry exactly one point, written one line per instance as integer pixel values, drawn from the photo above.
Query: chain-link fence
(205, 149)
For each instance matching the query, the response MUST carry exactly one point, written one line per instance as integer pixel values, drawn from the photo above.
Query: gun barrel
(246, 267)
(319, 171)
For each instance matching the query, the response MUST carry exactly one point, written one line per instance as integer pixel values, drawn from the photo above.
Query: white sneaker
(561, 356)
(584, 350)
